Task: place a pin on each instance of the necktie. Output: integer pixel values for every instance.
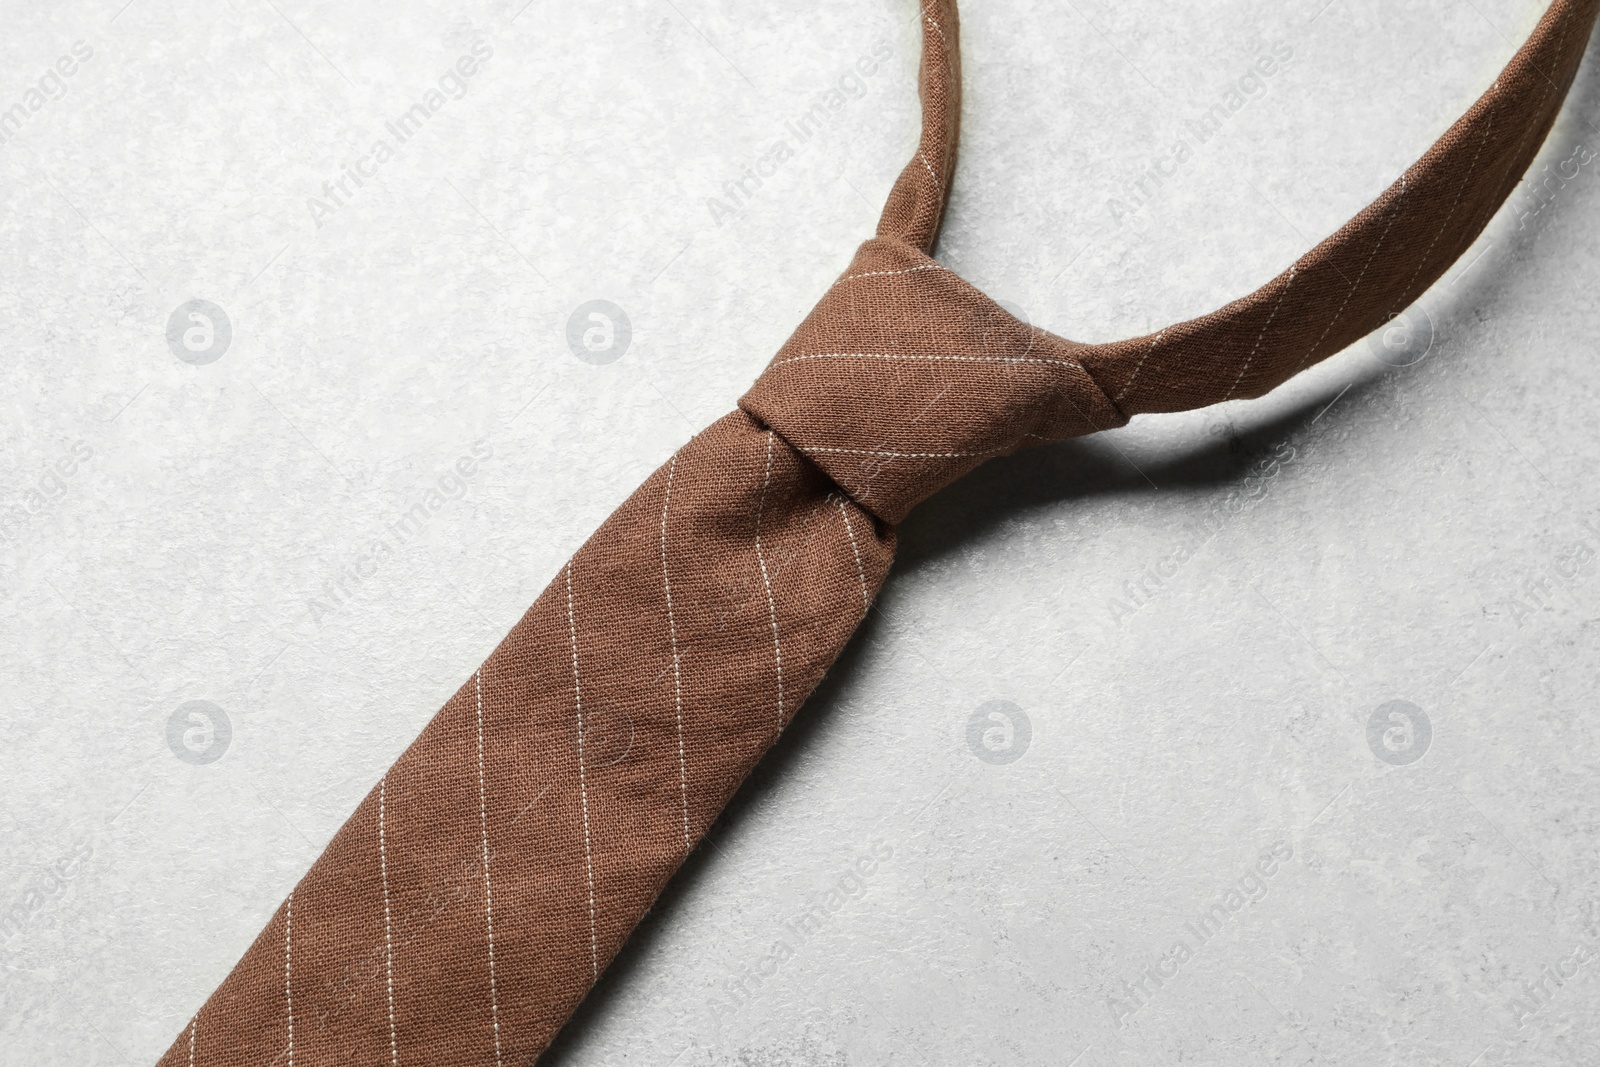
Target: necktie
(476, 894)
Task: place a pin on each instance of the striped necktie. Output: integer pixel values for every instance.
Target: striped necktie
(467, 906)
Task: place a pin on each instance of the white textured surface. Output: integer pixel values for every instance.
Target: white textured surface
(1425, 534)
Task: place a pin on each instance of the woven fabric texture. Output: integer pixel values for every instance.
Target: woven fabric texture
(479, 890)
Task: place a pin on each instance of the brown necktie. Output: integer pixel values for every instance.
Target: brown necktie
(476, 894)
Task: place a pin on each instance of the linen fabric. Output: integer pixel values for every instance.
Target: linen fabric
(488, 878)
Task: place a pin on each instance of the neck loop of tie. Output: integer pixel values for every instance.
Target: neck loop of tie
(904, 377)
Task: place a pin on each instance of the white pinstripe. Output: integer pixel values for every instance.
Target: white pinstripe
(288, 946)
(1140, 366)
(772, 605)
(931, 359)
(886, 273)
(866, 601)
(1393, 218)
(1487, 129)
(583, 780)
(388, 936)
(902, 455)
(488, 890)
(1261, 336)
(677, 673)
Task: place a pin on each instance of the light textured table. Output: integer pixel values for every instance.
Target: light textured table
(319, 506)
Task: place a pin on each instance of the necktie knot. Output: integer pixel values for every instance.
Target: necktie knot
(904, 377)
